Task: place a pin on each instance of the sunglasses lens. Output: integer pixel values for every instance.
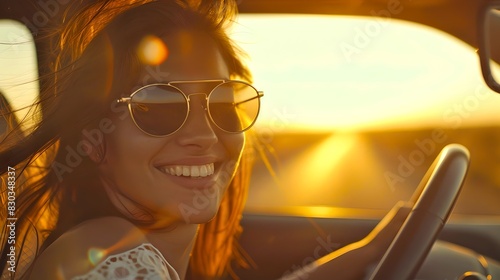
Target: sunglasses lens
(234, 106)
(159, 109)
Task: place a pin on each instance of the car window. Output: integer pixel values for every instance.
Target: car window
(356, 109)
(18, 68)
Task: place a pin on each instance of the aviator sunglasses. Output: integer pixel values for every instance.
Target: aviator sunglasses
(162, 109)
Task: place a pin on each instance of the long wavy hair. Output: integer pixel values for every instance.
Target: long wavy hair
(92, 60)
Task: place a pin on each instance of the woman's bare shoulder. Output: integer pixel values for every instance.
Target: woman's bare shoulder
(81, 248)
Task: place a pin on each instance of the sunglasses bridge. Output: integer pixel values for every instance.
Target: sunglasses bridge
(204, 104)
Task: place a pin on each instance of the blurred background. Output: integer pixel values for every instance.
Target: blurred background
(356, 109)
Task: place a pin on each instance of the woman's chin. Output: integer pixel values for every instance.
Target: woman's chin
(194, 215)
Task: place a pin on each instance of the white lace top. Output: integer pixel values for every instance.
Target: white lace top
(143, 262)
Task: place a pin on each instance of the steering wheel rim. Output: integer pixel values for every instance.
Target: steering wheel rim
(434, 199)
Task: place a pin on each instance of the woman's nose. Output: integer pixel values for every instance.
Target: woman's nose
(198, 130)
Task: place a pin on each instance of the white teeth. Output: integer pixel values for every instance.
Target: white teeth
(190, 171)
(195, 171)
(203, 171)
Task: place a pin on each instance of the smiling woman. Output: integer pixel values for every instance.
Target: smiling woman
(137, 167)
(140, 165)
(101, 116)
(362, 73)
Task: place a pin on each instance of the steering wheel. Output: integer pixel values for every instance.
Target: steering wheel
(434, 200)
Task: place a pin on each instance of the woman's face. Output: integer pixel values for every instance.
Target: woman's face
(181, 177)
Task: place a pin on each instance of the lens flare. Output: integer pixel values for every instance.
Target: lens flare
(95, 255)
(152, 51)
(60, 273)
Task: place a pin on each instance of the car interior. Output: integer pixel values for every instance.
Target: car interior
(421, 125)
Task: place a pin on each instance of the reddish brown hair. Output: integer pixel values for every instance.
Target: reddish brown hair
(85, 67)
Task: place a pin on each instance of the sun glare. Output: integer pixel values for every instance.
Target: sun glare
(340, 72)
(341, 169)
(320, 161)
(324, 73)
(18, 69)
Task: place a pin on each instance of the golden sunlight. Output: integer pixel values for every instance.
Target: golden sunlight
(341, 169)
(358, 73)
(314, 166)
(18, 69)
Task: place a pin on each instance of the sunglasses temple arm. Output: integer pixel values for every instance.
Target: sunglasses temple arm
(260, 94)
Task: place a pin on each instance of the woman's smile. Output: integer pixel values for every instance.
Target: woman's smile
(193, 171)
(192, 177)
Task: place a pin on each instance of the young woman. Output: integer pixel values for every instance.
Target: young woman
(138, 167)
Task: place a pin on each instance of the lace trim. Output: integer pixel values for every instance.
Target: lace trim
(143, 262)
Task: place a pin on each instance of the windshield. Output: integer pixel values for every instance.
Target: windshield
(357, 108)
